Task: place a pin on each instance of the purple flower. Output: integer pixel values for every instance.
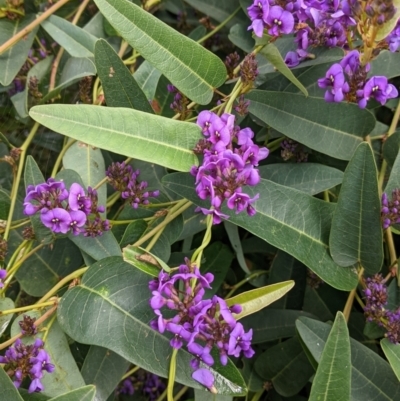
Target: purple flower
(378, 88)
(206, 378)
(292, 59)
(77, 199)
(202, 354)
(280, 21)
(3, 275)
(334, 79)
(58, 220)
(180, 334)
(78, 219)
(258, 13)
(240, 341)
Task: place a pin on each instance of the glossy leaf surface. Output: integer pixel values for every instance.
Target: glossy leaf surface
(130, 132)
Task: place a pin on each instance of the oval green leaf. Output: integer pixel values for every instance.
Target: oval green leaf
(116, 315)
(5, 304)
(335, 129)
(7, 389)
(333, 378)
(288, 219)
(254, 300)
(356, 232)
(392, 353)
(86, 393)
(128, 132)
(194, 70)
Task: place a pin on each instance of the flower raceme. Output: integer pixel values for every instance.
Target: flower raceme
(62, 211)
(198, 323)
(332, 24)
(229, 163)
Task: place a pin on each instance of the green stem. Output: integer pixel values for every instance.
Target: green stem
(60, 284)
(235, 93)
(14, 190)
(218, 27)
(257, 395)
(60, 156)
(175, 211)
(153, 241)
(244, 281)
(196, 257)
(130, 372)
(274, 143)
(171, 375)
(25, 308)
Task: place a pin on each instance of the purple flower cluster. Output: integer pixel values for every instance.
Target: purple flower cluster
(123, 179)
(348, 79)
(390, 211)
(3, 275)
(376, 298)
(226, 169)
(31, 361)
(62, 211)
(180, 101)
(331, 23)
(199, 323)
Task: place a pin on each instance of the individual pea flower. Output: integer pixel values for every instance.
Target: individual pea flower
(377, 88)
(206, 378)
(335, 83)
(3, 275)
(123, 179)
(258, 13)
(279, 21)
(27, 361)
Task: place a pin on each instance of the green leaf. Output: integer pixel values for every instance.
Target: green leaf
(254, 300)
(76, 41)
(133, 232)
(189, 66)
(144, 260)
(5, 203)
(99, 247)
(147, 77)
(241, 37)
(104, 369)
(387, 64)
(311, 178)
(219, 10)
(272, 324)
(356, 232)
(7, 389)
(88, 162)
(313, 303)
(284, 217)
(334, 129)
(371, 376)
(394, 178)
(86, 393)
(333, 377)
(125, 131)
(272, 54)
(119, 293)
(120, 87)
(392, 353)
(74, 69)
(286, 366)
(5, 304)
(233, 234)
(202, 395)
(391, 148)
(253, 380)
(32, 396)
(13, 59)
(388, 26)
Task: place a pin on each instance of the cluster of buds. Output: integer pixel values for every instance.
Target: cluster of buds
(27, 361)
(180, 103)
(226, 168)
(142, 382)
(199, 323)
(293, 150)
(62, 211)
(390, 211)
(123, 179)
(376, 298)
